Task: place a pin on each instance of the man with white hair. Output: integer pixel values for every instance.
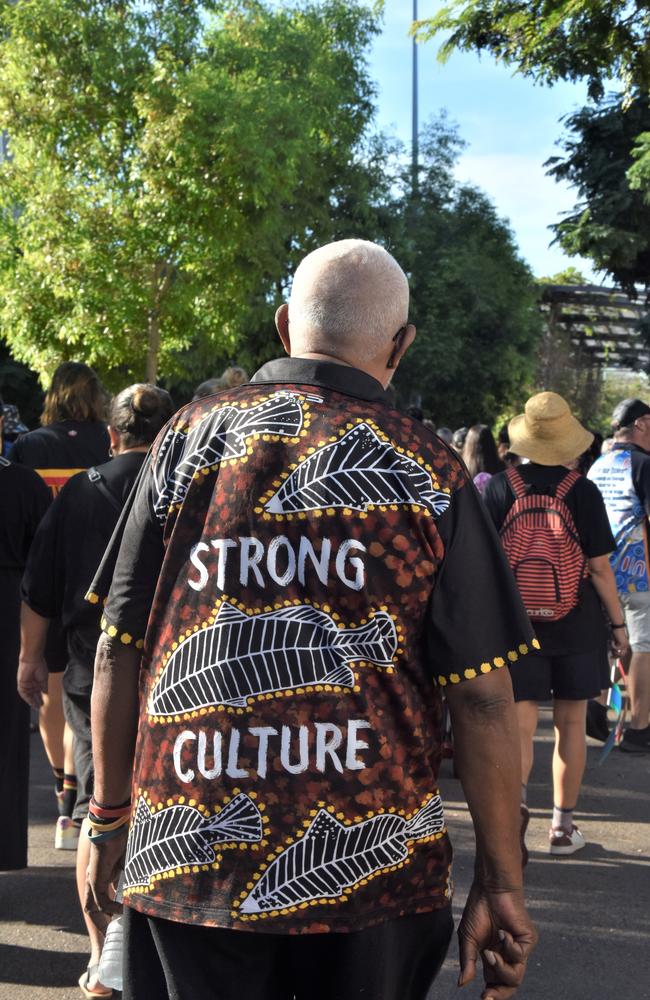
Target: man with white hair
(303, 571)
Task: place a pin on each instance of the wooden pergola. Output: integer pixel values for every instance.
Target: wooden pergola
(602, 322)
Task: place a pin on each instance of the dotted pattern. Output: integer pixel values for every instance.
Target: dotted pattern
(306, 689)
(125, 637)
(346, 511)
(485, 668)
(348, 890)
(180, 800)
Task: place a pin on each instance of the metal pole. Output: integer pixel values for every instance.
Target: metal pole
(414, 136)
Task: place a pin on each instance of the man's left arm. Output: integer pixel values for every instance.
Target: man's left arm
(495, 926)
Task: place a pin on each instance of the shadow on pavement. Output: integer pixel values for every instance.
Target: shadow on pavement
(45, 896)
(36, 967)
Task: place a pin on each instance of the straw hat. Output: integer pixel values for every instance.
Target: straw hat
(547, 432)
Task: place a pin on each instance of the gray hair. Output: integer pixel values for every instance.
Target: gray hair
(350, 294)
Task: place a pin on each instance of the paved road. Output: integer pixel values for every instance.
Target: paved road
(591, 909)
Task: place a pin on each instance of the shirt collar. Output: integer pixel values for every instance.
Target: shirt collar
(325, 375)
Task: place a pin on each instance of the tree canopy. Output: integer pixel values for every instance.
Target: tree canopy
(163, 156)
(550, 40)
(474, 301)
(611, 220)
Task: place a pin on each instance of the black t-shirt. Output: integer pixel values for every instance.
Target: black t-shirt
(71, 540)
(24, 498)
(583, 628)
(60, 450)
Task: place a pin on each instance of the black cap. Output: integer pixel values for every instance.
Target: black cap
(627, 411)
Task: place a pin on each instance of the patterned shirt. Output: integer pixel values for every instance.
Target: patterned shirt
(306, 569)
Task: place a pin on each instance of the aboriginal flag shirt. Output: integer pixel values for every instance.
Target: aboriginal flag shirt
(306, 570)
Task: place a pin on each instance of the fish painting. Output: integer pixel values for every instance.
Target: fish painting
(359, 470)
(242, 656)
(331, 856)
(179, 835)
(222, 434)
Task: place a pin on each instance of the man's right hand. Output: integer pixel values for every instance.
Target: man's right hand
(496, 928)
(33, 678)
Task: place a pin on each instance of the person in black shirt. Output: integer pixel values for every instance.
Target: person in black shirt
(24, 498)
(569, 666)
(72, 437)
(67, 550)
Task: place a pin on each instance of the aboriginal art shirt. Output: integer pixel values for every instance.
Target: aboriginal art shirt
(306, 570)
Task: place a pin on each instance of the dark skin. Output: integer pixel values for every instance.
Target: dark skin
(495, 928)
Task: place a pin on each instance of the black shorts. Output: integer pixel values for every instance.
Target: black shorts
(77, 690)
(397, 960)
(572, 678)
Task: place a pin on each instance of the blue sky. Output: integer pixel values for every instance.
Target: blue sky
(510, 125)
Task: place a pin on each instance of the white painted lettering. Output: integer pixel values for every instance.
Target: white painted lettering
(303, 746)
(357, 581)
(328, 739)
(319, 562)
(282, 579)
(215, 771)
(251, 554)
(182, 738)
(355, 744)
(262, 733)
(222, 545)
(196, 562)
(233, 771)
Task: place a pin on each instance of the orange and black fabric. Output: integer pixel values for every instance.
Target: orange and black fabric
(308, 569)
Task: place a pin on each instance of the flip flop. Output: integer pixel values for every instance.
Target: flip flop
(93, 994)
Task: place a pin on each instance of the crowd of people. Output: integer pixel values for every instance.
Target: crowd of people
(237, 623)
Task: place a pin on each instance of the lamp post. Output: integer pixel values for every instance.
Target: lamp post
(414, 134)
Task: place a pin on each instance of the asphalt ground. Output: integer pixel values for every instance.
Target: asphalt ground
(591, 909)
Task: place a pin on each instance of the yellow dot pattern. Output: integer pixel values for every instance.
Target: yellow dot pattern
(330, 511)
(511, 656)
(125, 637)
(348, 890)
(173, 872)
(322, 688)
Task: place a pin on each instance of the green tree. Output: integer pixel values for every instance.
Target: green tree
(165, 157)
(611, 221)
(551, 40)
(474, 300)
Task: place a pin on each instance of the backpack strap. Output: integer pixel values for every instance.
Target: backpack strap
(96, 479)
(567, 484)
(517, 484)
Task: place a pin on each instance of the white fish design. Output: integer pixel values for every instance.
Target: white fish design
(332, 856)
(357, 471)
(242, 656)
(222, 434)
(180, 835)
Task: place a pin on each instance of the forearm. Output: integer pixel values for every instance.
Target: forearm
(488, 762)
(114, 719)
(602, 577)
(33, 633)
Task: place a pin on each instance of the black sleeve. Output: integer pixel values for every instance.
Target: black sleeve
(498, 498)
(641, 478)
(128, 574)
(43, 583)
(477, 621)
(36, 505)
(592, 521)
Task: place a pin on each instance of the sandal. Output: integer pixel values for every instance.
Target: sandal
(94, 992)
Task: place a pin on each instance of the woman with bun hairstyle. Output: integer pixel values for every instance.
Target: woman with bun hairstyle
(65, 554)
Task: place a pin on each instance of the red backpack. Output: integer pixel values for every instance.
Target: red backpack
(543, 548)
